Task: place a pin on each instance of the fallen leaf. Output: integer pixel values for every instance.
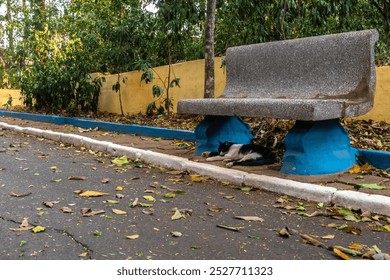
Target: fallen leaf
(284, 232)
(23, 226)
(92, 194)
(176, 234)
(215, 209)
(355, 246)
(38, 229)
(149, 211)
(54, 168)
(177, 215)
(85, 254)
(105, 180)
(198, 178)
(77, 178)
(50, 204)
(370, 186)
(310, 240)
(170, 195)
(119, 212)
(121, 160)
(134, 203)
(119, 188)
(233, 228)
(329, 236)
(348, 251)
(352, 230)
(120, 196)
(19, 194)
(66, 210)
(341, 254)
(56, 180)
(132, 237)
(149, 198)
(250, 218)
(111, 201)
(87, 212)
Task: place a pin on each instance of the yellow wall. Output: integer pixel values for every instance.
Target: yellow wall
(136, 95)
(15, 94)
(381, 109)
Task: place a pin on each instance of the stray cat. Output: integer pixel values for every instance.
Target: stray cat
(241, 154)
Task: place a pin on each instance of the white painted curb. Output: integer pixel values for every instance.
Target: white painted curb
(351, 199)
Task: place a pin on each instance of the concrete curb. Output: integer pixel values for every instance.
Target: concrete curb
(329, 195)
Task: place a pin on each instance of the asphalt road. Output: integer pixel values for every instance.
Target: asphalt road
(145, 212)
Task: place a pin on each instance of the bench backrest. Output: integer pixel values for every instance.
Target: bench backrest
(337, 66)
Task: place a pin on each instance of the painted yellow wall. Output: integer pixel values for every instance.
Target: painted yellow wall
(136, 95)
(381, 109)
(14, 93)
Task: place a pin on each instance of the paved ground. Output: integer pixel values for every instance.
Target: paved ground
(341, 181)
(154, 213)
(32, 175)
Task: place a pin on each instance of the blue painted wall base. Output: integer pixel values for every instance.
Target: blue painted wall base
(215, 129)
(317, 148)
(378, 159)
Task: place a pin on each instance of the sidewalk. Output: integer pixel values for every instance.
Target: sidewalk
(339, 189)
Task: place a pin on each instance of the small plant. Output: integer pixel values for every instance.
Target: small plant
(164, 102)
(8, 104)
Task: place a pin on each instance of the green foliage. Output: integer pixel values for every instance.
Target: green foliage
(162, 102)
(49, 48)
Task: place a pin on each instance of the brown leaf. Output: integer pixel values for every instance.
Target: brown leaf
(284, 232)
(23, 226)
(312, 241)
(50, 204)
(250, 218)
(87, 212)
(105, 180)
(215, 209)
(66, 209)
(19, 194)
(77, 178)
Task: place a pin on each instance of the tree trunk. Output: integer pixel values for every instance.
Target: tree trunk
(209, 50)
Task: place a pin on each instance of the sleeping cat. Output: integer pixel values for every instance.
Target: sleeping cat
(241, 154)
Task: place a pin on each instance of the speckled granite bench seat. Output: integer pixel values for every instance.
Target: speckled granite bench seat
(314, 78)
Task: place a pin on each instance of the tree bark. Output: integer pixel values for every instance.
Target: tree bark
(209, 83)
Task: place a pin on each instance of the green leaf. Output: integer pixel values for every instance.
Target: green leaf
(121, 160)
(157, 91)
(38, 229)
(371, 186)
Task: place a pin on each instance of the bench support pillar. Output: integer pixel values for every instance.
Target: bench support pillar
(215, 129)
(318, 147)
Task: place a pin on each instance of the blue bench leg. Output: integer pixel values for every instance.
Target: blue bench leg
(215, 129)
(316, 148)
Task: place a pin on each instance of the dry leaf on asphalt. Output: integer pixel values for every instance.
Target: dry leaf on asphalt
(66, 209)
(341, 254)
(92, 194)
(23, 226)
(38, 229)
(50, 204)
(233, 228)
(310, 240)
(132, 237)
(87, 212)
(250, 218)
(119, 212)
(19, 194)
(77, 178)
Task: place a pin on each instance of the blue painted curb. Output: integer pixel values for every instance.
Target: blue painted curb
(149, 131)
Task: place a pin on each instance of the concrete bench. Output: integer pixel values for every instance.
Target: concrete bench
(314, 80)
